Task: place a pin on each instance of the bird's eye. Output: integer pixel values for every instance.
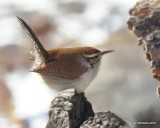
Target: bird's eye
(50, 60)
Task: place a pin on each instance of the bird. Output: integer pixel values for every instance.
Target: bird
(65, 68)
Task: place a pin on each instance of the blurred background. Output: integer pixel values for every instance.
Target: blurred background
(124, 84)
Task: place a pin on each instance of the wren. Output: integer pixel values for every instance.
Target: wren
(64, 68)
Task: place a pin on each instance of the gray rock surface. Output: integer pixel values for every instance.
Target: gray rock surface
(144, 21)
(72, 110)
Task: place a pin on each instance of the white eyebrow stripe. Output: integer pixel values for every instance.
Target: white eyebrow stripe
(92, 55)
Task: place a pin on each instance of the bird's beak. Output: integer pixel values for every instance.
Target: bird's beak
(106, 52)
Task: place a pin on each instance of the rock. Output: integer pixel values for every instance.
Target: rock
(72, 110)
